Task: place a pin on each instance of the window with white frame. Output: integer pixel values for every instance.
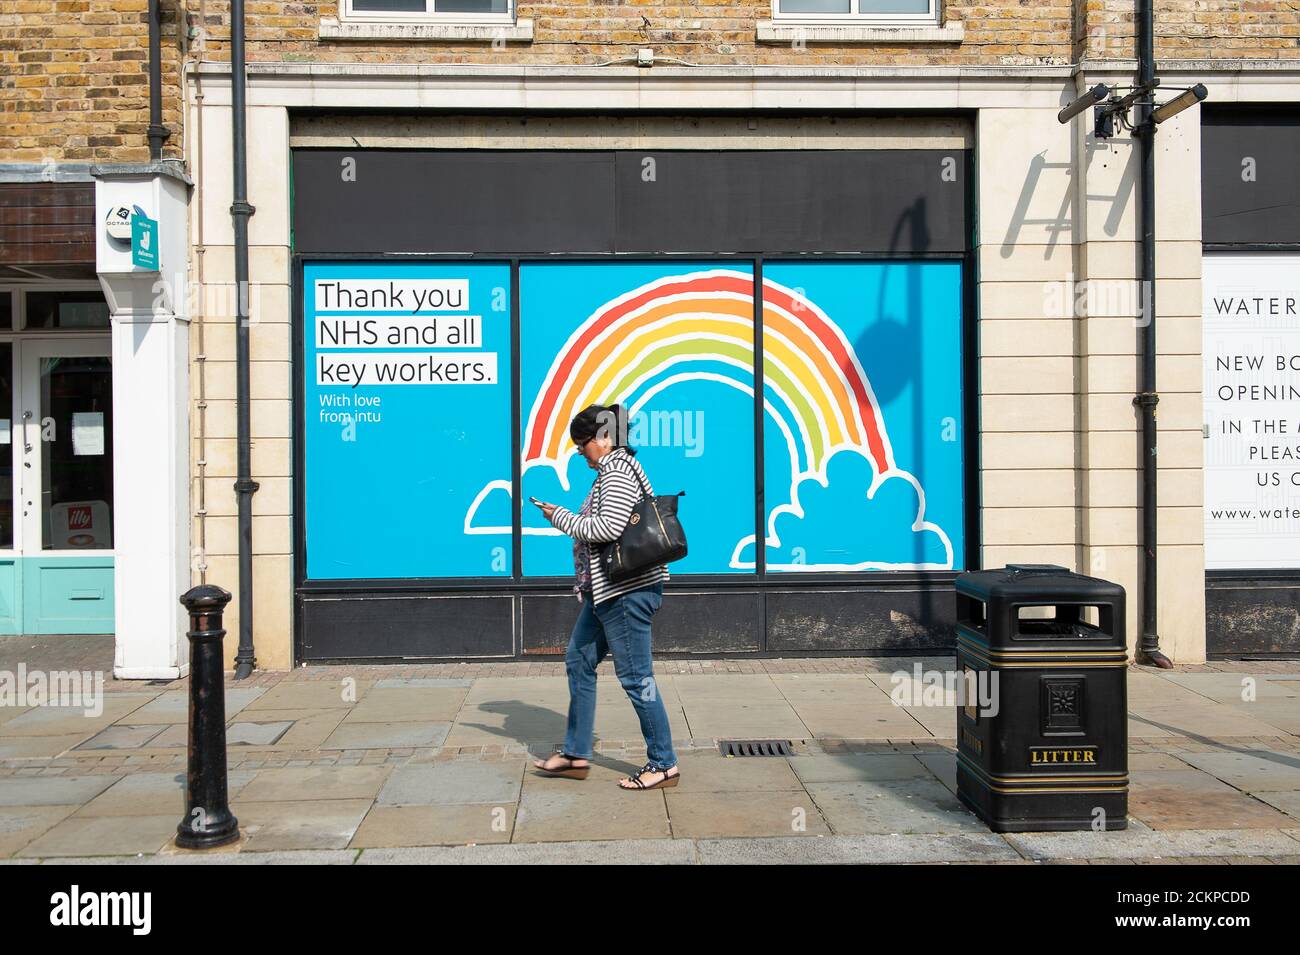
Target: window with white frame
(456, 11)
(900, 12)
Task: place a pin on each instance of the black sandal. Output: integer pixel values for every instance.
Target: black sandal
(670, 779)
(567, 772)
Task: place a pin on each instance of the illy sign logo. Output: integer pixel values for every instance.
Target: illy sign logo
(80, 518)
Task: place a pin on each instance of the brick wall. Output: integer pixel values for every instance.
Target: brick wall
(74, 84)
(73, 73)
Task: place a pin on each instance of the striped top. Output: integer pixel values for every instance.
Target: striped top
(620, 483)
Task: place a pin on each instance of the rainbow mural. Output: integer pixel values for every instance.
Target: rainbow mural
(686, 327)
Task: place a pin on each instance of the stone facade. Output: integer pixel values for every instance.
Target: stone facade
(1062, 458)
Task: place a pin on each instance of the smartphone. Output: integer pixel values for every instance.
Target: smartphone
(535, 501)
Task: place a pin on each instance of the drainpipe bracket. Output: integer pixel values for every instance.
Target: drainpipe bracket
(1147, 399)
(246, 487)
(241, 207)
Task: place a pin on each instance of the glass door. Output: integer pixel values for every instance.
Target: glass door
(63, 511)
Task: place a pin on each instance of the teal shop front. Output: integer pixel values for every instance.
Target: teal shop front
(56, 481)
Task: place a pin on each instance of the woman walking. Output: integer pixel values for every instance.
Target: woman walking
(614, 618)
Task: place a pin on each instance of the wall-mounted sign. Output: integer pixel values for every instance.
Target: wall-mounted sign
(144, 242)
(117, 224)
(1251, 353)
(80, 525)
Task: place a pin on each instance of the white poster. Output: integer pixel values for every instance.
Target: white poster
(1251, 341)
(87, 432)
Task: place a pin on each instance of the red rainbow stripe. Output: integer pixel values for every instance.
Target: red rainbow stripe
(713, 283)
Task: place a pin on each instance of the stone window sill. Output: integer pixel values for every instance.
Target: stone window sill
(520, 31)
(770, 31)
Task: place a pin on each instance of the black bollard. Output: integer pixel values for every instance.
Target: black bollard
(208, 822)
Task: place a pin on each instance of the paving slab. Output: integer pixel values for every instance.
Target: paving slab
(695, 815)
(1140, 842)
(499, 723)
(392, 826)
(310, 824)
(839, 721)
(153, 794)
(1280, 712)
(1200, 720)
(67, 720)
(738, 720)
(243, 733)
(1150, 762)
(902, 805)
(1232, 687)
(424, 683)
(1157, 690)
(1251, 771)
(616, 852)
(521, 690)
(19, 825)
(742, 688)
(857, 767)
(585, 812)
(341, 693)
(710, 771)
(310, 727)
(289, 783)
(34, 747)
(407, 704)
(849, 850)
(938, 721)
(386, 735)
(453, 782)
(291, 857)
(943, 766)
(97, 835)
(1191, 799)
(173, 706)
(52, 790)
(120, 736)
(8, 713)
(1287, 801)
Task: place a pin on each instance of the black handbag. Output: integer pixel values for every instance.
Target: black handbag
(653, 536)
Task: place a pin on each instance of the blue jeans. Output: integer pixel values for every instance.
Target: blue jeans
(620, 627)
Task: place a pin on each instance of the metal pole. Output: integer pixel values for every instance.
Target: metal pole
(1148, 397)
(240, 210)
(208, 822)
(157, 133)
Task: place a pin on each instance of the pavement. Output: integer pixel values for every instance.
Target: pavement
(430, 764)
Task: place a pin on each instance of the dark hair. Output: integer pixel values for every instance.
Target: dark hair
(595, 420)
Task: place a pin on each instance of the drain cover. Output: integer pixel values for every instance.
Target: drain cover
(755, 747)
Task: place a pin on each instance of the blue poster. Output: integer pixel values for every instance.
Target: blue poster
(406, 408)
(863, 433)
(674, 344)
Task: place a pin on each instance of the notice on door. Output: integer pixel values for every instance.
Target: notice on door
(87, 433)
(1251, 352)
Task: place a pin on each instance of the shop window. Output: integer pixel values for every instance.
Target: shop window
(862, 442)
(6, 310)
(406, 418)
(674, 344)
(905, 12)
(410, 431)
(463, 11)
(66, 310)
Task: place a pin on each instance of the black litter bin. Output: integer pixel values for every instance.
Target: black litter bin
(1048, 750)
